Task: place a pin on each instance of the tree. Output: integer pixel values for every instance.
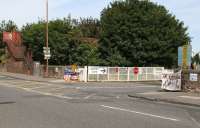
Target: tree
(65, 46)
(196, 59)
(34, 37)
(142, 33)
(86, 54)
(89, 27)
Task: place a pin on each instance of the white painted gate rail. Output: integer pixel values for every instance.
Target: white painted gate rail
(99, 73)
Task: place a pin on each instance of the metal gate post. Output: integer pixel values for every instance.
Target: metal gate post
(118, 73)
(108, 73)
(128, 78)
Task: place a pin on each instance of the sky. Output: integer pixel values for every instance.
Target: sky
(28, 11)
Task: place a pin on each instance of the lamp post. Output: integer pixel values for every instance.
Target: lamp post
(47, 35)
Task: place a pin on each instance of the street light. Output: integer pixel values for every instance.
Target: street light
(47, 35)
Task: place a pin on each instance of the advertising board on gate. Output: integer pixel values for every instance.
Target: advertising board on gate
(102, 70)
(171, 82)
(97, 70)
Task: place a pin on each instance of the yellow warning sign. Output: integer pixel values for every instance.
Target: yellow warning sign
(74, 67)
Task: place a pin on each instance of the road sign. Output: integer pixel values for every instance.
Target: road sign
(102, 70)
(136, 70)
(46, 50)
(47, 53)
(74, 67)
(193, 77)
(47, 57)
(184, 56)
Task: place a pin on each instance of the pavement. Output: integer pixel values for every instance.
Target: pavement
(182, 98)
(44, 104)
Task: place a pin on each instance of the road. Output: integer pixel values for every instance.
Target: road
(28, 104)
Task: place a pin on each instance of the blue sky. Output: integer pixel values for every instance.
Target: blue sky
(23, 11)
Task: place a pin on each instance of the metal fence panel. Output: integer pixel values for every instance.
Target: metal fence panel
(124, 73)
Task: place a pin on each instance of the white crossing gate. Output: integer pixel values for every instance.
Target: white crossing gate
(101, 73)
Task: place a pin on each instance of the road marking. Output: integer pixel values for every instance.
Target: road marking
(57, 88)
(39, 92)
(87, 97)
(197, 123)
(18, 83)
(141, 113)
(125, 87)
(48, 94)
(7, 85)
(152, 93)
(191, 97)
(57, 81)
(42, 86)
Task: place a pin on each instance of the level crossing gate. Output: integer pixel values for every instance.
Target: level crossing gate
(100, 73)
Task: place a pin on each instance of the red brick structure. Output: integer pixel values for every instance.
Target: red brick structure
(19, 57)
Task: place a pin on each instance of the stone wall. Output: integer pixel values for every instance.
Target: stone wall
(188, 85)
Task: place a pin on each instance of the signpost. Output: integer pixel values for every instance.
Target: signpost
(47, 54)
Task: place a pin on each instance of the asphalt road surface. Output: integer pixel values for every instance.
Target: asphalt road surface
(28, 104)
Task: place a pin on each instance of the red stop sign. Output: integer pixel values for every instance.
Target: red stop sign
(136, 70)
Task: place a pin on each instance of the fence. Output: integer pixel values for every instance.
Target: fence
(3, 68)
(98, 73)
(53, 71)
(57, 71)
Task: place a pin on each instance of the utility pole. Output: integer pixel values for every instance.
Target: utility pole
(47, 36)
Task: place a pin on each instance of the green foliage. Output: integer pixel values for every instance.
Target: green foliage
(196, 59)
(65, 48)
(140, 33)
(89, 27)
(85, 54)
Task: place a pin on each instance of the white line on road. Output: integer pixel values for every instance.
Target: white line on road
(191, 97)
(193, 119)
(58, 88)
(43, 86)
(48, 94)
(197, 123)
(125, 87)
(87, 97)
(141, 113)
